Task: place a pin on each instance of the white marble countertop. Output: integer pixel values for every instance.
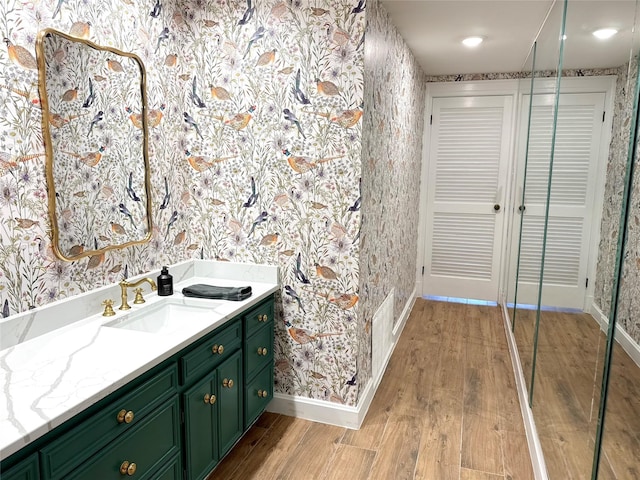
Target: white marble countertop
(50, 375)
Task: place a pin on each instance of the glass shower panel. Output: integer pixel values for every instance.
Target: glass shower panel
(570, 346)
(618, 455)
(537, 107)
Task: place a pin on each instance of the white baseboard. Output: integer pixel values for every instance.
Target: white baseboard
(335, 413)
(535, 448)
(625, 340)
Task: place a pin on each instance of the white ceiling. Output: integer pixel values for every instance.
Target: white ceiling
(433, 29)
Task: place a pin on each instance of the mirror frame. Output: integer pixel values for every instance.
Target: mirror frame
(49, 164)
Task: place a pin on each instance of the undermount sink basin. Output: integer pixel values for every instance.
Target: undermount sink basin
(166, 318)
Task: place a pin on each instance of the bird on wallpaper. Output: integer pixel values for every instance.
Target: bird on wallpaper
(298, 94)
(297, 271)
(167, 195)
(96, 119)
(200, 164)
(240, 120)
(136, 118)
(117, 229)
(326, 88)
(257, 35)
(125, 211)
(345, 300)
(154, 117)
(70, 95)
(352, 382)
(293, 294)
(251, 201)
(190, 121)
(279, 10)
(266, 58)
(260, 219)
(76, 250)
(130, 191)
(57, 9)
(291, 117)
(303, 336)
(164, 34)
(114, 66)
(155, 11)
(318, 12)
(356, 205)
(171, 60)
(334, 228)
(325, 272)
(337, 35)
(91, 97)
(179, 238)
(193, 95)
(172, 220)
(95, 260)
(21, 56)
(90, 159)
(298, 164)
(32, 95)
(26, 222)
(80, 29)
(58, 121)
(360, 7)
(269, 239)
(248, 13)
(347, 118)
(232, 224)
(220, 93)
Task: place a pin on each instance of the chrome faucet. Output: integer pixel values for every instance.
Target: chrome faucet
(123, 289)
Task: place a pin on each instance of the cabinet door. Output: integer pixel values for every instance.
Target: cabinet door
(230, 384)
(200, 426)
(25, 470)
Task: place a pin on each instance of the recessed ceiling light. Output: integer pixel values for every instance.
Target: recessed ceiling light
(605, 33)
(472, 41)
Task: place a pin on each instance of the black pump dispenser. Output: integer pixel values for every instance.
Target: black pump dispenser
(165, 283)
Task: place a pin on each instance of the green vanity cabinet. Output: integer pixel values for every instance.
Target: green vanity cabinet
(27, 469)
(258, 360)
(174, 422)
(213, 417)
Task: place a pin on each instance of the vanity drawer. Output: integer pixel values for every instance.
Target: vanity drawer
(209, 354)
(149, 445)
(258, 350)
(258, 316)
(74, 446)
(257, 395)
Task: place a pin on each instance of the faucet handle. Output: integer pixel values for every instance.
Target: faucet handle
(139, 298)
(108, 308)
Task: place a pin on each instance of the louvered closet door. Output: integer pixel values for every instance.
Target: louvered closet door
(578, 133)
(468, 158)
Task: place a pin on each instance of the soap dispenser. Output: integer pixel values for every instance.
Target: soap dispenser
(165, 283)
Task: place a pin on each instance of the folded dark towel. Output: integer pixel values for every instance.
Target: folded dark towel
(201, 290)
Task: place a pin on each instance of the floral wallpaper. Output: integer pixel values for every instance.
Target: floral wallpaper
(629, 300)
(392, 159)
(614, 186)
(256, 155)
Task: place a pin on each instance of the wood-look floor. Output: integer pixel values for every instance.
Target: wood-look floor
(566, 396)
(447, 408)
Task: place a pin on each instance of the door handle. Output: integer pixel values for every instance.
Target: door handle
(522, 208)
(496, 207)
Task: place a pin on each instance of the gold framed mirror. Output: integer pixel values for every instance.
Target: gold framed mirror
(95, 127)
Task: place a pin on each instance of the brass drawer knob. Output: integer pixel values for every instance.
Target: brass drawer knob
(210, 399)
(262, 351)
(128, 468)
(263, 318)
(262, 393)
(227, 383)
(125, 416)
(219, 349)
